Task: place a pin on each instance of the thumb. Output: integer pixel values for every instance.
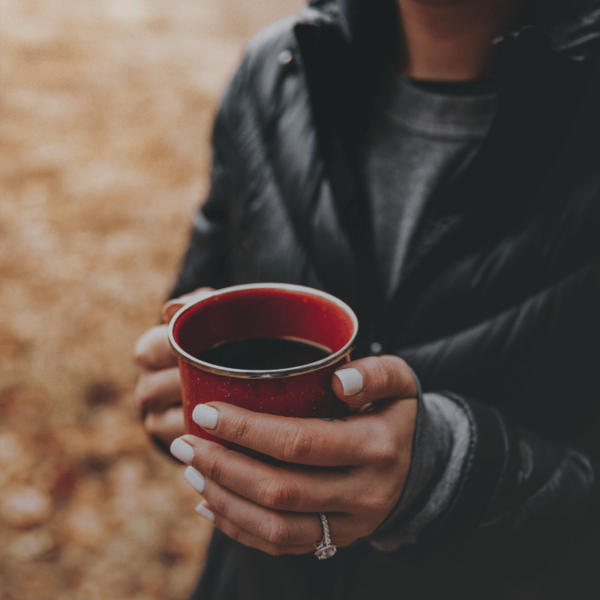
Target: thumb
(172, 306)
(375, 378)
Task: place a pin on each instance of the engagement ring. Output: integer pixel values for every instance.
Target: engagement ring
(325, 549)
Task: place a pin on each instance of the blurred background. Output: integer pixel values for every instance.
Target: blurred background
(105, 115)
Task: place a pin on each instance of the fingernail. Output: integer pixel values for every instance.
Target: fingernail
(351, 380)
(195, 479)
(205, 416)
(204, 512)
(184, 452)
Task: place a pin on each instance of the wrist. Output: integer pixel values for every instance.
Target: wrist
(440, 448)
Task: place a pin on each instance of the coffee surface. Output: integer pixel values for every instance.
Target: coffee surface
(263, 354)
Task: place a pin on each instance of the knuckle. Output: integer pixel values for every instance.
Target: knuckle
(383, 439)
(384, 374)
(385, 453)
(280, 495)
(299, 445)
(363, 506)
(217, 502)
(213, 469)
(383, 450)
(374, 504)
(242, 429)
(379, 502)
(278, 532)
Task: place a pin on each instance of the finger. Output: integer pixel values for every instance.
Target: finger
(247, 539)
(236, 533)
(166, 426)
(153, 351)
(374, 378)
(277, 527)
(340, 442)
(158, 390)
(278, 488)
(172, 306)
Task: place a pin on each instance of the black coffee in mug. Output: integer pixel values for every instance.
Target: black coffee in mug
(264, 354)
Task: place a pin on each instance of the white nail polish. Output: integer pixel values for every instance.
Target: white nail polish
(206, 416)
(204, 512)
(351, 380)
(195, 479)
(183, 451)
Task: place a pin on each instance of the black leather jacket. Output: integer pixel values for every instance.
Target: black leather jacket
(502, 315)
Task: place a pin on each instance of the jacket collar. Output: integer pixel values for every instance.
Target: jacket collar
(572, 25)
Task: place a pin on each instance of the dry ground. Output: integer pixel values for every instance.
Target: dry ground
(106, 108)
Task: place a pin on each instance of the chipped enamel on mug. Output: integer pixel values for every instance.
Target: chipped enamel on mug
(267, 310)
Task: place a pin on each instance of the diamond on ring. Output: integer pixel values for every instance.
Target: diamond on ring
(325, 549)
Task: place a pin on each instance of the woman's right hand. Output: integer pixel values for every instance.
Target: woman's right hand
(158, 393)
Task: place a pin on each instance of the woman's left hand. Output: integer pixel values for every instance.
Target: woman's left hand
(351, 469)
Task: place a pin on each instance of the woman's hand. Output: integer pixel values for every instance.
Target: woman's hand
(158, 392)
(352, 469)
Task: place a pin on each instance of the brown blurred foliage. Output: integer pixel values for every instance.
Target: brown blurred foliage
(105, 114)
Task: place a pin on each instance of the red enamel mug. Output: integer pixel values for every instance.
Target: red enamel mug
(259, 311)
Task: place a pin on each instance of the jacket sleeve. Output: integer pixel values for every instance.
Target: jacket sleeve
(489, 494)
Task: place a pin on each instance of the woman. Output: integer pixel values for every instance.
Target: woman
(435, 165)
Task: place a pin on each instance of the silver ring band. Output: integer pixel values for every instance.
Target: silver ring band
(325, 549)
